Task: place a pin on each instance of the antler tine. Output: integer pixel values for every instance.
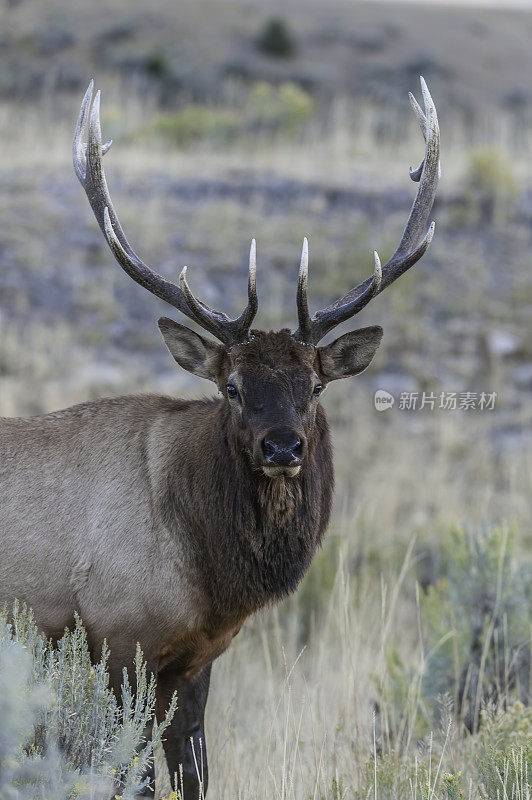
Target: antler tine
(88, 167)
(303, 315)
(78, 147)
(415, 174)
(412, 245)
(428, 183)
(229, 331)
(250, 311)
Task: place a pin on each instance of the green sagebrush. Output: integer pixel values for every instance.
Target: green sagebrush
(505, 752)
(478, 624)
(62, 732)
(475, 620)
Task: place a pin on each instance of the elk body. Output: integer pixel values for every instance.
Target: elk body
(168, 522)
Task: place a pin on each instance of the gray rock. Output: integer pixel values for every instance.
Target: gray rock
(522, 376)
(503, 343)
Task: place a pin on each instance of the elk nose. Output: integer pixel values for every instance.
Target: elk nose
(282, 447)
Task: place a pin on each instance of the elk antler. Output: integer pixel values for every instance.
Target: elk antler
(411, 247)
(89, 169)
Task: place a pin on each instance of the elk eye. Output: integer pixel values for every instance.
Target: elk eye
(232, 391)
(317, 390)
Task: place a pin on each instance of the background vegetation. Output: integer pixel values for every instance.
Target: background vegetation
(402, 667)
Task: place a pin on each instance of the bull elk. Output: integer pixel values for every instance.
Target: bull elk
(168, 522)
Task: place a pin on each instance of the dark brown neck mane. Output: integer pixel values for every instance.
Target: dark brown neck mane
(252, 537)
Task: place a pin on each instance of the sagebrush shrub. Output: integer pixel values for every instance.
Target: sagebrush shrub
(284, 109)
(477, 620)
(63, 733)
(505, 752)
(492, 186)
(276, 38)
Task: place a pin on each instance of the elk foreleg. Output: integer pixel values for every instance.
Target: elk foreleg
(184, 740)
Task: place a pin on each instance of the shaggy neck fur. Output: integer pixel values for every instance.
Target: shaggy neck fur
(252, 537)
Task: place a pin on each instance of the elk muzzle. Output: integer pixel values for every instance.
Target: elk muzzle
(283, 450)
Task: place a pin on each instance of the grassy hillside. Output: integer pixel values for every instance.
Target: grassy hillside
(476, 60)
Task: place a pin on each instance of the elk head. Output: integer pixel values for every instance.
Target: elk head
(270, 381)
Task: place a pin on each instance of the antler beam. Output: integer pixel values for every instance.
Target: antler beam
(412, 246)
(89, 169)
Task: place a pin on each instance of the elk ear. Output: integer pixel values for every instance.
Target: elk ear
(200, 356)
(349, 354)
